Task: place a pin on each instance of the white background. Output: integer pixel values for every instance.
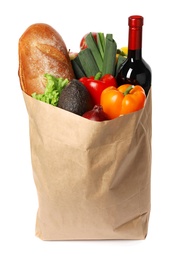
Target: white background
(18, 198)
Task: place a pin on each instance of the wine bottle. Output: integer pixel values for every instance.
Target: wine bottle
(134, 70)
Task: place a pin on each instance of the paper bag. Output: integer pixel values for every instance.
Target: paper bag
(92, 178)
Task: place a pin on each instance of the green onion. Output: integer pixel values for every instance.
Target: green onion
(77, 68)
(101, 43)
(95, 51)
(109, 56)
(120, 61)
(88, 62)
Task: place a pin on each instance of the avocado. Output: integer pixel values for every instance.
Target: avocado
(75, 98)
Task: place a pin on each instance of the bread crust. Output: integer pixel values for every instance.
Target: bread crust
(42, 50)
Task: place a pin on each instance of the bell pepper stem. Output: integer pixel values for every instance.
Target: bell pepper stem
(98, 75)
(128, 90)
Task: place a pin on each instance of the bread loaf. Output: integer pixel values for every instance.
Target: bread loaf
(42, 50)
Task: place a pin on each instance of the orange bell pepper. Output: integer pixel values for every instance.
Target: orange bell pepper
(123, 100)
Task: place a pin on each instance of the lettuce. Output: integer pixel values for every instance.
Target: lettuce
(53, 90)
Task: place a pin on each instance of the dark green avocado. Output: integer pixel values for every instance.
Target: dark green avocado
(75, 98)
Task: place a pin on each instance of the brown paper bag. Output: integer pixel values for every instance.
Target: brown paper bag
(92, 178)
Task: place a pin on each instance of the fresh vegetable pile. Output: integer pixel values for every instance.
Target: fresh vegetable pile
(94, 94)
(97, 53)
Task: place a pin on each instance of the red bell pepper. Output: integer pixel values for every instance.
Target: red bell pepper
(97, 84)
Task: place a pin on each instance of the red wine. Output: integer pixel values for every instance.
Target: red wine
(134, 69)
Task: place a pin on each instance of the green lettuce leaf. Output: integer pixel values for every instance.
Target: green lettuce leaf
(53, 90)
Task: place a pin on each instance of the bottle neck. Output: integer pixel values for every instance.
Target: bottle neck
(135, 54)
(135, 42)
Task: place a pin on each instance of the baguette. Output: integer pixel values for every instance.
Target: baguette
(42, 50)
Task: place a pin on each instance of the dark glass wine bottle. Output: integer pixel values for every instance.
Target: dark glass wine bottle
(135, 70)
